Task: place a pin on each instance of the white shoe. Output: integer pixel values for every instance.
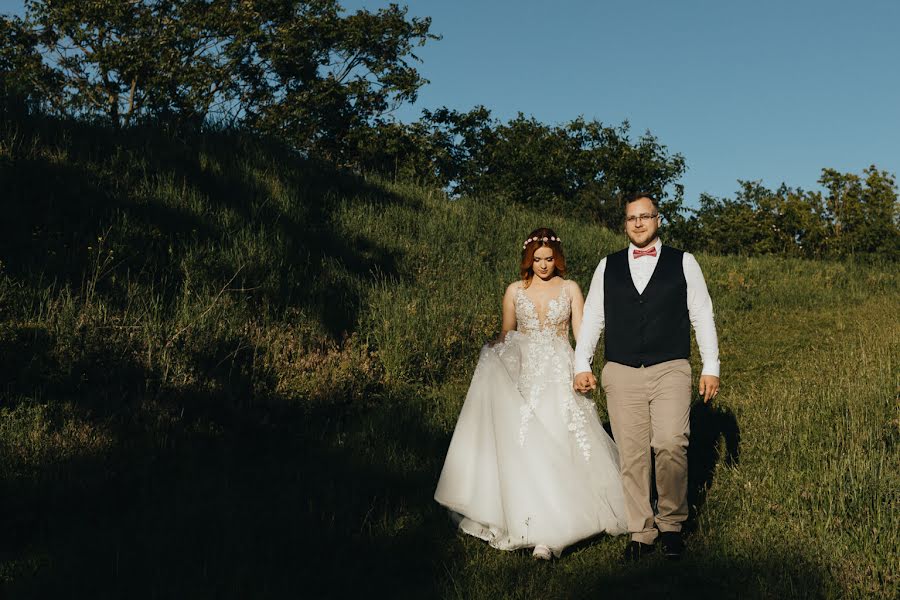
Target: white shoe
(542, 552)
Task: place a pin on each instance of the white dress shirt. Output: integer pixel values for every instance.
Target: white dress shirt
(699, 308)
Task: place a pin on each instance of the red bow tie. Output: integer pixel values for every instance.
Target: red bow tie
(639, 253)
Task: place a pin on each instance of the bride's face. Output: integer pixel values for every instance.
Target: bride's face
(543, 265)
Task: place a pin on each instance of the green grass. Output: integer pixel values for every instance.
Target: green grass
(227, 372)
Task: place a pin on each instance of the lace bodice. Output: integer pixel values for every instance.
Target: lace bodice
(547, 361)
(555, 322)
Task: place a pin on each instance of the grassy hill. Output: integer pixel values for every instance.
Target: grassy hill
(229, 372)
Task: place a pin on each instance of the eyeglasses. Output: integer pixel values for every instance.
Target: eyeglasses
(633, 219)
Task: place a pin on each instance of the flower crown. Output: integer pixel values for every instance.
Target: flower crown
(541, 239)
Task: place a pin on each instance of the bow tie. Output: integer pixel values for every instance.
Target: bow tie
(639, 253)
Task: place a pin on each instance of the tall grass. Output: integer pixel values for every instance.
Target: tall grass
(229, 372)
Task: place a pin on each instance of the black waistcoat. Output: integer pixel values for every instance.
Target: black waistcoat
(649, 328)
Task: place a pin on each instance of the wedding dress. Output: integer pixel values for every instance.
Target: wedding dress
(529, 462)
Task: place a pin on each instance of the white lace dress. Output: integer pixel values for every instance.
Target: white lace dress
(529, 462)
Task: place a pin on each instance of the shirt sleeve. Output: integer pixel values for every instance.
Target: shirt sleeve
(700, 310)
(592, 323)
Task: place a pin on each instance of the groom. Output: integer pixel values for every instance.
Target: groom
(648, 296)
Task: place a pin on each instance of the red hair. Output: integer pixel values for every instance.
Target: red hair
(540, 238)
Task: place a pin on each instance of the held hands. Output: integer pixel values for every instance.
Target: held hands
(708, 387)
(584, 382)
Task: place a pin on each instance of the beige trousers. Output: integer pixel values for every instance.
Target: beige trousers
(650, 407)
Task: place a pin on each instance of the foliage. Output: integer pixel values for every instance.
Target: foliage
(323, 82)
(855, 215)
(862, 212)
(298, 70)
(25, 81)
(582, 167)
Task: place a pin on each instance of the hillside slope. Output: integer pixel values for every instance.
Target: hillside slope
(225, 371)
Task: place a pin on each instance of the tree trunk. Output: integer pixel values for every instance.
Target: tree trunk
(130, 114)
(114, 108)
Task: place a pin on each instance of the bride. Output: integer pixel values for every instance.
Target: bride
(529, 464)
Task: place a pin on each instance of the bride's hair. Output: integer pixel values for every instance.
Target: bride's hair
(538, 239)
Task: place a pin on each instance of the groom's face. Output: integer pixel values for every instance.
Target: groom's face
(641, 222)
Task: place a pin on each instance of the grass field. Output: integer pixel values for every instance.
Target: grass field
(226, 372)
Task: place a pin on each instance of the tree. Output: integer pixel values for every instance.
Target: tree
(787, 221)
(611, 167)
(582, 167)
(298, 70)
(312, 76)
(862, 212)
(25, 81)
(855, 215)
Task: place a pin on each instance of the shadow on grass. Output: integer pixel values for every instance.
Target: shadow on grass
(219, 495)
(759, 573)
(177, 209)
(715, 437)
(201, 496)
(113, 484)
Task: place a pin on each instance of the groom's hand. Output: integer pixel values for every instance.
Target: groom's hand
(584, 382)
(709, 387)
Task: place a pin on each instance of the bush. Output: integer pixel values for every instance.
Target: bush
(856, 215)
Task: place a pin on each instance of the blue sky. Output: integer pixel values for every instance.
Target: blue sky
(762, 90)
